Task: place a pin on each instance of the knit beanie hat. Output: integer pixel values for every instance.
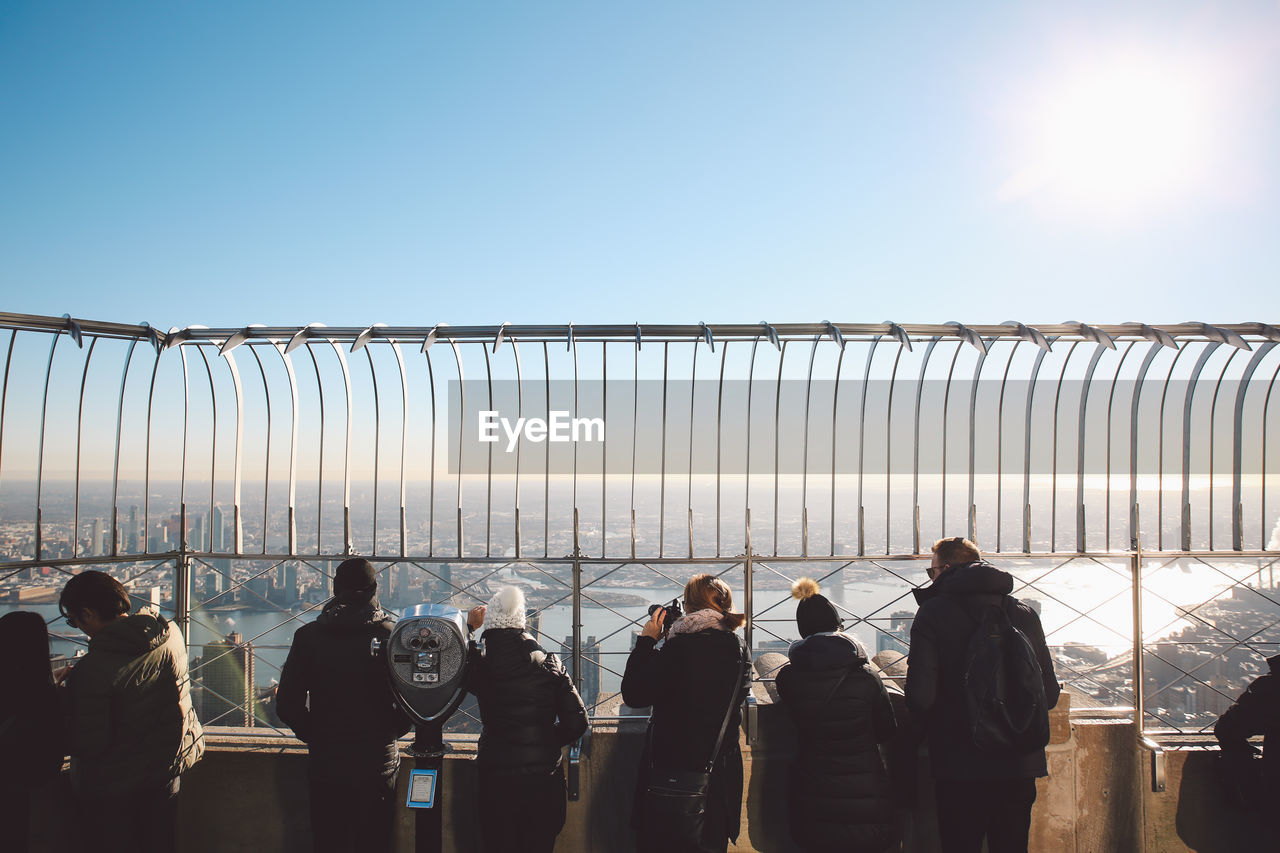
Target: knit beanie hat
(505, 609)
(814, 614)
(354, 574)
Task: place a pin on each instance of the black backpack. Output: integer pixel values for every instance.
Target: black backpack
(1003, 685)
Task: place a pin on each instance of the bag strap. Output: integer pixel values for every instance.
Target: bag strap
(715, 750)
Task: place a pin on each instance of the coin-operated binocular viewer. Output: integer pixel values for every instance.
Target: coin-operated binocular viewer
(426, 657)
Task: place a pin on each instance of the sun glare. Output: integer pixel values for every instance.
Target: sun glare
(1117, 135)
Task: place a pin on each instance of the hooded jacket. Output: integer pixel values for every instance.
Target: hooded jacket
(528, 705)
(131, 722)
(1256, 712)
(690, 682)
(335, 695)
(935, 671)
(839, 793)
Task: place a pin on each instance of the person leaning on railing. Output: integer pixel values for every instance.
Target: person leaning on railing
(132, 728)
(31, 732)
(696, 683)
(529, 710)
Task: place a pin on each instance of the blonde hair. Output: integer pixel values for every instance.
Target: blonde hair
(956, 551)
(708, 591)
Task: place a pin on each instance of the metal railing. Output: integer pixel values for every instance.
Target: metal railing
(263, 455)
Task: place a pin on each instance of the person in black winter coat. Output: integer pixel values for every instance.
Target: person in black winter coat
(702, 670)
(1256, 712)
(839, 793)
(529, 710)
(32, 741)
(979, 793)
(335, 696)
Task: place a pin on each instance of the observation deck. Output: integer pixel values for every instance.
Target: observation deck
(1124, 474)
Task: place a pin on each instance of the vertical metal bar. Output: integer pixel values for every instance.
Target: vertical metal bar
(1160, 438)
(462, 416)
(888, 453)
(488, 489)
(915, 451)
(1053, 501)
(404, 443)
(4, 389)
(835, 406)
(431, 490)
(662, 471)
(44, 410)
(1266, 412)
(1115, 377)
(293, 446)
(115, 459)
(746, 491)
(804, 480)
(213, 444)
(1186, 443)
(182, 595)
(266, 466)
(1152, 352)
(146, 464)
(1237, 449)
(635, 414)
(75, 524)
(320, 472)
(573, 346)
(577, 603)
(377, 445)
(186, 440)
(1139, 669)
(237, 521)
(946, 407)
(604, 450)
(973, 415)
(1026, 451)
(777, 428)
(1213, 422)
(515, 349)
(748, 598)
(346, 453)
(862, 434)
(693, 385)
(546, 458)
(724, 355)
(1000, 449)
(1098, 350)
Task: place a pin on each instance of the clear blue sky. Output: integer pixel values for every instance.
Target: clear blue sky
(417, 162)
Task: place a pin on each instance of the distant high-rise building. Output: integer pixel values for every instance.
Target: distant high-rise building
(95, 538)
(197, 533)
(218, 530)
(288, 577)
(898, 638)
(589, 687)
(225, 674)
(133, 531)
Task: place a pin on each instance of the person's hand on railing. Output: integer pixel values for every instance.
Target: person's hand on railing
(475, 617)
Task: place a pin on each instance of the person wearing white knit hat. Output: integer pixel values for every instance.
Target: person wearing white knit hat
(529, 710)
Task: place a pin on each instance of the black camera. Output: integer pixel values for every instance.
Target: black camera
(673, 613)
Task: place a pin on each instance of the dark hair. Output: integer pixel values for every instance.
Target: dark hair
(24, 655)
(98, 591)
(708, 591)
(956, 551)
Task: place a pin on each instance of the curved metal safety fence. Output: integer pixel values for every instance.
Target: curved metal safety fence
(1122, 473)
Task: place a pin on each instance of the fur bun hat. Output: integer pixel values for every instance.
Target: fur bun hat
(505, 609)
(814, 614)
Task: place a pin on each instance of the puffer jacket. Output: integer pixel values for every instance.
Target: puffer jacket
(529, 708)
(335, 695)
(131, 722)
(839, 794)
(935, 671)
(690, 682)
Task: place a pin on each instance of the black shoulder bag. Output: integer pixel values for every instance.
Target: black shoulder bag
(674, 810)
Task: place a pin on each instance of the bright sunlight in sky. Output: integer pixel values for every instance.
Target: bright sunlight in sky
(1117, 136)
